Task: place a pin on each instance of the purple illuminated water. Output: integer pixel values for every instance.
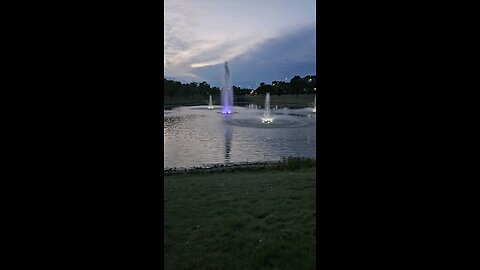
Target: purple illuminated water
(227, 92)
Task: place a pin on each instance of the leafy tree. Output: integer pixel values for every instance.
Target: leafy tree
(204, 88)
(261, 89)
(282, 88)
(296, 84)
(191, 89)
(264, 88)
(215, 91)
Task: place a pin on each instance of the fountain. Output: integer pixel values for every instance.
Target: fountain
(315, 105)
(210, 103)
(227, 93)
(250, 116)
(267, 114)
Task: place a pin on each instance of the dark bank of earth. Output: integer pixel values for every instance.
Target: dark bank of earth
(207, 168)
(287, 163)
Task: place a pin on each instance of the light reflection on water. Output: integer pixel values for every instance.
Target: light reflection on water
(194, 136)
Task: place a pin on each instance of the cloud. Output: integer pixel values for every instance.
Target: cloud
(273, 59)
(199, 36)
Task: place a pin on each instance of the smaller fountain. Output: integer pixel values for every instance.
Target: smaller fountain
(210, 103)
(264, 119)
(267, 114)
(314, 105)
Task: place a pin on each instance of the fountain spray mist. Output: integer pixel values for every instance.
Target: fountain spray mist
(267, 118)
(227, 92)
(210, 103)
(315, 104)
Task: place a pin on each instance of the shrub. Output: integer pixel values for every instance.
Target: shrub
(295, 163)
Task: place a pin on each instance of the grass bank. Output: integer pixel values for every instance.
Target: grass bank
(304, 100)
(168, 102)
(282, 101)
(241, 219)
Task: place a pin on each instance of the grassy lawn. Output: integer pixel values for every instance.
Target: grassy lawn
(281, 101)
(263, 219)
(184, 101)
(285, 100)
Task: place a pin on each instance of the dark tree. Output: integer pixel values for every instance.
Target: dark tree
(204, 88)
(296, 84)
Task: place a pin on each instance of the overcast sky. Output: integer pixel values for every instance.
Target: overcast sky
(262, 40)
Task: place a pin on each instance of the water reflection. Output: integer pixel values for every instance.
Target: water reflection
(228, 138)
(228, 142)
(194, 137)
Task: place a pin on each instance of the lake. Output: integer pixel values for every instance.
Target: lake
(195, 136)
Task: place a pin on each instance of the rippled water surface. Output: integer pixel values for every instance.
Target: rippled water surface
(195, 136)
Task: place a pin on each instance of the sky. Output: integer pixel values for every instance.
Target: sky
(262, 40)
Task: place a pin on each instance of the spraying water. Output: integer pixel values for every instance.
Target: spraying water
(267, 114)
(315, 104)
(227, 92)
(210, 103)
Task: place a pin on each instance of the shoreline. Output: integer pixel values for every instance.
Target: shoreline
(284, 163)
(219, 166)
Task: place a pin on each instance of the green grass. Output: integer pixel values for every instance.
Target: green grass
(294, 163)
(184, 101)
(282, 101)
(285, 100)
(241, 219)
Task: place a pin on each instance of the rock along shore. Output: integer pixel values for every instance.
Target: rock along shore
(219, 167)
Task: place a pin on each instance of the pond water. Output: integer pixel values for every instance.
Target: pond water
(196, 136)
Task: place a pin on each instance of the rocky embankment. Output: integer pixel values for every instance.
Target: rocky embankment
(219, 167)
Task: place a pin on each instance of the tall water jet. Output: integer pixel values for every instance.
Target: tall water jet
(267, 114)
(227, 92)
(210, 103)
(315, 104)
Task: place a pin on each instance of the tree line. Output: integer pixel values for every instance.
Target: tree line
(296, 86)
